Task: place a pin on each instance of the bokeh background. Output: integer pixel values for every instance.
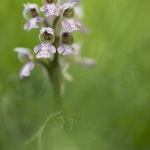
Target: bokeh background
(112, 99)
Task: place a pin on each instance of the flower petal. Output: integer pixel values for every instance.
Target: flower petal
(37, 48)
(43, 54)
(61, 49)
(26, 26)
(44, 8)
(66, 49)
(70, 25)
(39, 19)
(25, 71)
(52, 48)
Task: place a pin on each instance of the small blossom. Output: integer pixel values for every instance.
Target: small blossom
(31, 13)
(44, 50)
(66, 49)
(32, 23)
(52, 9)
(25, 71)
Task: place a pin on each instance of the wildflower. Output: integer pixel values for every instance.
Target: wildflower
(51, 7)
(69, 23)
(25, 55)
(31, 13)
(66, 47)
(47, 37)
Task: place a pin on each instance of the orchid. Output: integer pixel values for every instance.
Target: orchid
(31, 13)
(56, 51)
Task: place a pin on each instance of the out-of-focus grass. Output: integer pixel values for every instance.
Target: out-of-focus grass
(112, 98)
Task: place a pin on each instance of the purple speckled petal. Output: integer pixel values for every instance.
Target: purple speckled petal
(37, 48)
(39, 19)
(26, 26)
(44, 8)
(52, 48)
(64, 23)
(61, 49)
(43, 54)
(66, 49)
(58, 6)
(70, 25)
(25, 71)
(51, 13)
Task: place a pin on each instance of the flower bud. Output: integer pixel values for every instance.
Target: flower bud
(30, 11)
(47, 35)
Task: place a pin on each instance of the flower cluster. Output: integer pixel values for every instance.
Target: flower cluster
(56, 37)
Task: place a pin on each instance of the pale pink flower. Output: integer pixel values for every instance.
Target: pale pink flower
(44, 50)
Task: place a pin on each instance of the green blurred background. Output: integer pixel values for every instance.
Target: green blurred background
(112, 99)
